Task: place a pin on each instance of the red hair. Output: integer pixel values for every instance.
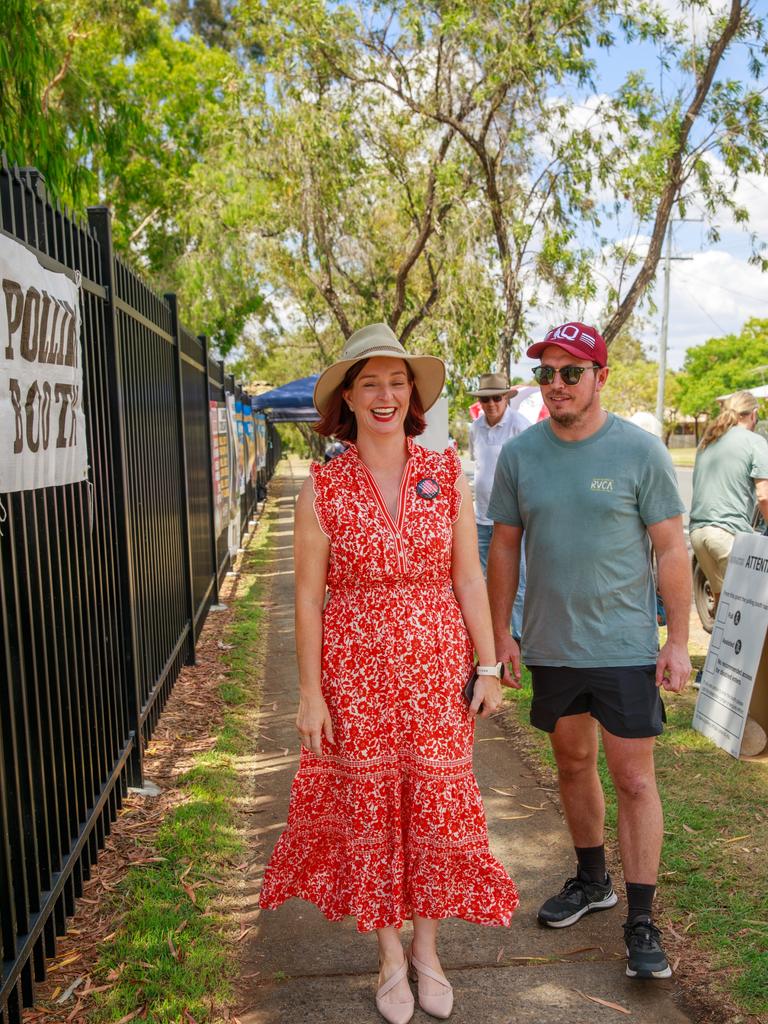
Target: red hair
(339, 421)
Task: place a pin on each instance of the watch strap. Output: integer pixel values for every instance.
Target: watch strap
(497, 670)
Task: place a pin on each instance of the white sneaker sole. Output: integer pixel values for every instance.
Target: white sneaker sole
(665, 973)
(606, 904)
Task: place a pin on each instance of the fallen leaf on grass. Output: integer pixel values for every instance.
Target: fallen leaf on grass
(604, 1002)
(243, 933)
(175, 953)
(735, 839)
(190, 892)
(130, 1016)
(688, 828)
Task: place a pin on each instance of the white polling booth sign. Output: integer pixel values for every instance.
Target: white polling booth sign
(42, 425)
(734, 683)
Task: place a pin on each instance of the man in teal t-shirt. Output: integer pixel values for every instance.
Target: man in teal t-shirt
(730, 476)
(593, 493)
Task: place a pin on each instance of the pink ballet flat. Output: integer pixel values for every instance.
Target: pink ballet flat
(395, 1011)
(439, 1005)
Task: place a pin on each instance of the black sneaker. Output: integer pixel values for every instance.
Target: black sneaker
(575, 899)
(645, 957)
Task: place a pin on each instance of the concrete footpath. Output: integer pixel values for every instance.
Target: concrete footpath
(298, 967)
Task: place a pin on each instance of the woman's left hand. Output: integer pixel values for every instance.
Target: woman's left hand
(487, 698)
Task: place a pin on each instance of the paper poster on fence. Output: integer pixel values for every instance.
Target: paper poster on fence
(42, 424)
(736, 645)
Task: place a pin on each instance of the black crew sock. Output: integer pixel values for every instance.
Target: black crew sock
(639, 900)
(591, 863)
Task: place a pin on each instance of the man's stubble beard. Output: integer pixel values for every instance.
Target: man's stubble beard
(572, 419)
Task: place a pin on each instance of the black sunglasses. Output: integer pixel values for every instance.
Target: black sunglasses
(491, 398)
(569, 375)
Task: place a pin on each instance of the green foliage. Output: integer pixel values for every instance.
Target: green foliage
(295, 168)
(723, 365)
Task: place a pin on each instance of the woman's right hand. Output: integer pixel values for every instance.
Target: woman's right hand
(313, 721)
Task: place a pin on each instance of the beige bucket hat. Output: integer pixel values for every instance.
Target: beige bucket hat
(379, 340)
(492, 384)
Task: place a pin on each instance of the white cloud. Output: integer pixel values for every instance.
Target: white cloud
(712, 294)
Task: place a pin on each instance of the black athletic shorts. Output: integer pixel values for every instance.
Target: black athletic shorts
(625, 700)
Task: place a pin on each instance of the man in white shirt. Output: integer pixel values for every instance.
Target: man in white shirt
(496, 424)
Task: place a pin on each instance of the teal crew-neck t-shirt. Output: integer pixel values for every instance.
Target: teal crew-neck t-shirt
(724, 477)
(590, 599)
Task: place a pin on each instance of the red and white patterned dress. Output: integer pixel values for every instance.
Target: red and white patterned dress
(389, 819)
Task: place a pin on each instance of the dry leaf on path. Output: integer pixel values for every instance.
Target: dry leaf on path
(604, 1002)
(501, 792)
(514, 817)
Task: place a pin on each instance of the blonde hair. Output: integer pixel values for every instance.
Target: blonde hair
(735, 408)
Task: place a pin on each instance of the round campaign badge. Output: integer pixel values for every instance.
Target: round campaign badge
(428, 488)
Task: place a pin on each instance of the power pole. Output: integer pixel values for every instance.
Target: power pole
(664, 329)
(668, 257)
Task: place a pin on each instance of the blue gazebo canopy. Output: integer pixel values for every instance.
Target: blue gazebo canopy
(291, 403)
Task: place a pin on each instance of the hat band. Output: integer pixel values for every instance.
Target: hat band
(379, 348)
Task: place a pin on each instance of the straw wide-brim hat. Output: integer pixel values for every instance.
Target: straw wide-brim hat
(379, 340)
(492, 384)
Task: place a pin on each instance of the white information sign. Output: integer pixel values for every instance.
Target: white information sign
(42, 425)
(736, 645)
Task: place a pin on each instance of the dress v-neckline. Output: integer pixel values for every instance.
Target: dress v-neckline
(395, 524)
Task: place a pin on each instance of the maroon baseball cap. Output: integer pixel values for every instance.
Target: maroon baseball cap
(578, 339)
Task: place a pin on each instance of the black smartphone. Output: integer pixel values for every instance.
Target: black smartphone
(469, 688)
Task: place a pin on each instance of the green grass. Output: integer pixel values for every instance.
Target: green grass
(171, 953)
(713, 884)
(683, 456)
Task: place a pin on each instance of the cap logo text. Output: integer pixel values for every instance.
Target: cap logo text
(570, 332)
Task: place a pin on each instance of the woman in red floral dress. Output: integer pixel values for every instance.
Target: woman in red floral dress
(386, 821)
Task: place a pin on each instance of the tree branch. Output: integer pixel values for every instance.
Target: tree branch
(674, 178)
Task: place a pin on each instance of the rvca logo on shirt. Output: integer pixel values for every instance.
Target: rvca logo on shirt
(601, 483)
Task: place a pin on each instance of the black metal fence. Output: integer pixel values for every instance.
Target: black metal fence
(105, 584)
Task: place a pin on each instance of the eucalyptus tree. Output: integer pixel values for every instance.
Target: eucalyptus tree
(576, 186)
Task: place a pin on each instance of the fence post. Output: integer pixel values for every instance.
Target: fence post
(172, 301)
(212, 492)
(99, 219)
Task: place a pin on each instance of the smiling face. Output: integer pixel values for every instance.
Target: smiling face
(380, 396)
(573, 407)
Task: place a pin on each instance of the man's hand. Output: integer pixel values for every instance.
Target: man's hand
(673, 667)
(508, 651)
